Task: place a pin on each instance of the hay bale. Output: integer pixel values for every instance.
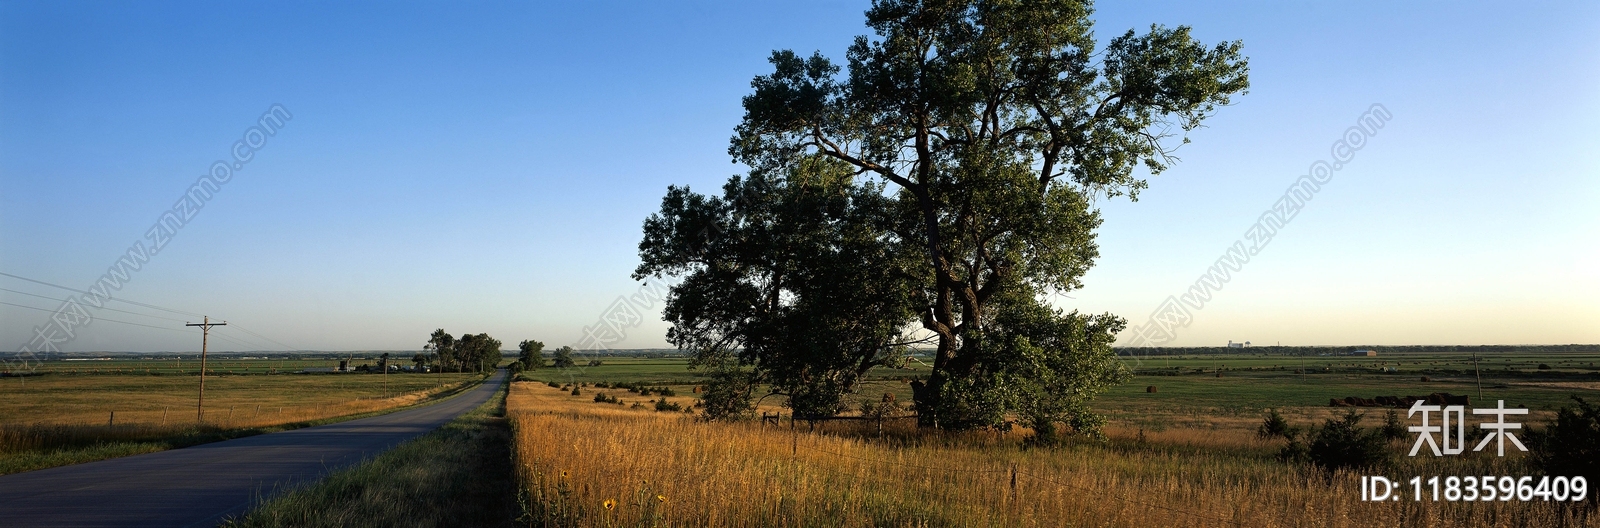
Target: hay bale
(1150, 389)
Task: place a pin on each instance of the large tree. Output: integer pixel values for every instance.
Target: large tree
(443, 346)
(530, 354)
(993, 126)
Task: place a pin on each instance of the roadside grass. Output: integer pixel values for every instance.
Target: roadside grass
(45, 444)
(584, 464)
(458, 475)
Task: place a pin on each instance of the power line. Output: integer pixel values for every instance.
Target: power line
(97, 318)
(100, 308)
(274, 341)
(135, 303)
(151, 306)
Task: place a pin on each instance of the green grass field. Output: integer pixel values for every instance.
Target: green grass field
(1190, 392)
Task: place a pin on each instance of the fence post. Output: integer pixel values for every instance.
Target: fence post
(1014, 481)
(113, 420)
(163, 416)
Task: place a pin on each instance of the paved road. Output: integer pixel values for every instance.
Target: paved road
(201, 485)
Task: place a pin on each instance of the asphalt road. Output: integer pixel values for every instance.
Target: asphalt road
(202, 485)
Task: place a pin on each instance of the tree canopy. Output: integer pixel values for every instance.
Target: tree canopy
(478, 353)
(940, 187)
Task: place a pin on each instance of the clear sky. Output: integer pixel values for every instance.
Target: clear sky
(486, 167)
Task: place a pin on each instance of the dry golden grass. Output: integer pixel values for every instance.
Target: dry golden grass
(231, 401)
(575, 457)
(63, 419)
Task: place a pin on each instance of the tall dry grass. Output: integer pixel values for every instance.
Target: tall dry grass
(574, 457)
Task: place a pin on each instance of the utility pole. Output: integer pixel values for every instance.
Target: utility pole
(1477, 375)
(205, 335)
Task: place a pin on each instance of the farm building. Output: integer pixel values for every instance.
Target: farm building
(1367, 353)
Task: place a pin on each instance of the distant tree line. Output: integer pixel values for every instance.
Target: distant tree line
(469, 353)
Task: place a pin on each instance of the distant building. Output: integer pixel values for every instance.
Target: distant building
(1232, 344)
(1367, 353)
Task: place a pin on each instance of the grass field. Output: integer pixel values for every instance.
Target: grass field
(1190, 393)
(589, 464)
(60, 417)
(1184, 455)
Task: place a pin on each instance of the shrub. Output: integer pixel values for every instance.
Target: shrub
(553, 384)
(576, 391)
(727, 395)
(1275, 426)
(1393, 428)
(664, 405)
(1571, 444)
(1343, 444)
(604, 398)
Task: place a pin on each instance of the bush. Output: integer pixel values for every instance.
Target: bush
(1343, 444)
(664, 405)
(1393, 428)
(727, 395)
(553, 384)
(1570, 445)
(1275, 426)
(576, 391)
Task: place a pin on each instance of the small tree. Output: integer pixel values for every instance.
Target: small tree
(1275, 426)
(1393, 428)
(531, 354)
(1570, 445)
(1343, 444)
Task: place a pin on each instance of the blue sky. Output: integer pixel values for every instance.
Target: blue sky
(487, 167)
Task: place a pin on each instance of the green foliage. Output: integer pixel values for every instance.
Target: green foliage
(945, 180)
(664, 405)
(786, 272)
(1393, 428)
(1275, 426)
(1343, 444)
(1570, 445)
(563, 358)
(728, 395)
(529, 354)
(474, 353)
(604, 398)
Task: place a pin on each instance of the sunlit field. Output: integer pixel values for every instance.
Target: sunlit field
(115, 408)
(1185, 455)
